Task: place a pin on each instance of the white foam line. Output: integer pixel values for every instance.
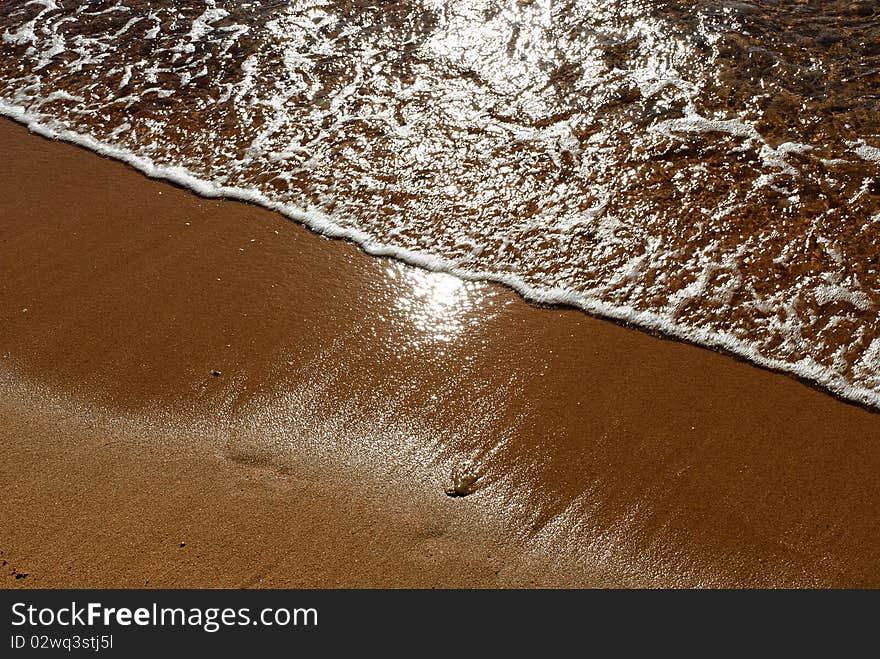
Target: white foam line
(314, 219)
(866, 152)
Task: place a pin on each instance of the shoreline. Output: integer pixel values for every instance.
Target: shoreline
(812, 374)
(603, 455)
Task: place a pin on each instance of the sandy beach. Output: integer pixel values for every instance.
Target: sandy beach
(202, 393)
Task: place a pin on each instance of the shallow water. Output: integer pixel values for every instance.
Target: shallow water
(707, 169)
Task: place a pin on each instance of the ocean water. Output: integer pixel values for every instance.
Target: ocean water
(710, 170)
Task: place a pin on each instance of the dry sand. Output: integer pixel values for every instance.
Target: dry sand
(349, 389)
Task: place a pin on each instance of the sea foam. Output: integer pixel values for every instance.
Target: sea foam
(594, 168)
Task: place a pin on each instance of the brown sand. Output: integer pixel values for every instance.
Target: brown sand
(349, 389)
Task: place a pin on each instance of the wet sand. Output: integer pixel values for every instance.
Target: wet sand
(182, 370)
